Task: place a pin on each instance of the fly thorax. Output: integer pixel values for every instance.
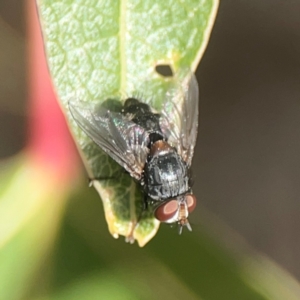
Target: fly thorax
(166, 174)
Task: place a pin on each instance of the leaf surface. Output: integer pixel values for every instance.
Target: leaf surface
(99, 50)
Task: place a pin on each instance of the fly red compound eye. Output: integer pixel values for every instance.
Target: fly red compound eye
(191, 202)
(166, 211)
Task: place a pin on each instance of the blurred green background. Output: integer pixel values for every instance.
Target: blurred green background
(246, 170)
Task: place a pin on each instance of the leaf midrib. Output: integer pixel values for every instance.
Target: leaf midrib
(122, 41)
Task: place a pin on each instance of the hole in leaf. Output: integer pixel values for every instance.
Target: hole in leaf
(164, 70)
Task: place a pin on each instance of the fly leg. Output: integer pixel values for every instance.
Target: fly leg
(130, 237)
(144, 208)
(91, 180)
(145, 203)
(104, 178)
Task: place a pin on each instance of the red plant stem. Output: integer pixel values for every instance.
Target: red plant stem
(49, 139)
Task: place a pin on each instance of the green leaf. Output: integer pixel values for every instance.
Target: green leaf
(108, 49)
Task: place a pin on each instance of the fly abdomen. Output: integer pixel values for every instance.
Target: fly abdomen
(166, 174)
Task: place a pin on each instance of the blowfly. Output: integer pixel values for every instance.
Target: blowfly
(155, 148)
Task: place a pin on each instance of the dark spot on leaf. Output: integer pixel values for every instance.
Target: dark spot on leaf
(164, 70)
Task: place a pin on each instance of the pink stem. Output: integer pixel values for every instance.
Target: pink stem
(49, 139)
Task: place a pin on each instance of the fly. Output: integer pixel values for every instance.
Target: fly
(155, 148)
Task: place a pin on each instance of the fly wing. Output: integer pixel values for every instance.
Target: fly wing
(125, 141)
(179, 120)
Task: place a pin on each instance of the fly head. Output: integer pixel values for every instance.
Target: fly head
(177, 210)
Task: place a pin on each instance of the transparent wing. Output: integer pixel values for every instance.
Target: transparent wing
(179, 120)
(125, 141)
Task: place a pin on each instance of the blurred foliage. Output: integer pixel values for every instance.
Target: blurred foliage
(84, 262)
(31, 204)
